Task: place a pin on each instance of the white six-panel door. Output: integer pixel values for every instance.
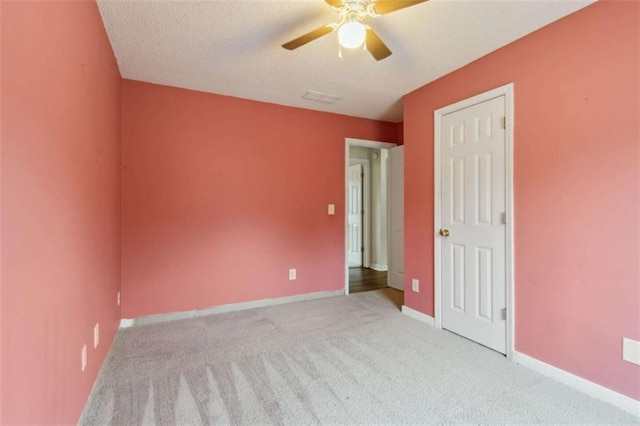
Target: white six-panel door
(473, 263)
(395, 274)
(354, 245)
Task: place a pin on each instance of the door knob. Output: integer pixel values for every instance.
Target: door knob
(444, 232)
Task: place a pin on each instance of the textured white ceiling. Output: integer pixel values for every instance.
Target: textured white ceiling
(233, 47)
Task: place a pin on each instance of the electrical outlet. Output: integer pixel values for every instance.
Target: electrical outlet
(631, 350)
(84, 357)
(96, 335)
(118, 299)
(415, 285)
(292, 274)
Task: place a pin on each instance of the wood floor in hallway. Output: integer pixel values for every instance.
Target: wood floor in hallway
(365, 279)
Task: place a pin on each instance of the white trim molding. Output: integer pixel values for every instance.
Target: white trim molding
(418, 315)
(369, 144)
(126, 323)
(508, 92)
(592, 389)
(232, 307)
(378, 267)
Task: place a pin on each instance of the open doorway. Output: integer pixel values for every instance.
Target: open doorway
(367, 218)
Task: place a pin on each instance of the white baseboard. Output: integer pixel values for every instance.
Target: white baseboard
(152, 319)
(379, 267)
(418, 315)
(592, 389)
(126, 323)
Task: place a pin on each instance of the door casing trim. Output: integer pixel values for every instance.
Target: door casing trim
(508, 92)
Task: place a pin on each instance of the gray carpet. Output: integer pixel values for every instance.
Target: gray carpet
(341, 360)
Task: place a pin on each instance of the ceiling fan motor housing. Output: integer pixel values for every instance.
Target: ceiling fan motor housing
(356, 10)
(352, 14)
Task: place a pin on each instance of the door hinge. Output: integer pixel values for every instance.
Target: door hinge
(362, 212)
(503, 313)
(362, 249)
(503, 122)
(361, 174)
(503, 218)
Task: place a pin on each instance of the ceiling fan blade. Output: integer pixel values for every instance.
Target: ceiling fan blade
(335, 3)
(310, 36)
(375, 46)
(382, 7)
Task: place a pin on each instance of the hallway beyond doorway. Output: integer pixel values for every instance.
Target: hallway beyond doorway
(366, 279)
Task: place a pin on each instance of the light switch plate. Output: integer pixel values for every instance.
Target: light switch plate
(292, 274)
(415, 285)
(332, 209)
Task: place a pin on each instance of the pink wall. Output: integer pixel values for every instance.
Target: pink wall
(1, 31)
(400, 133)
(222, 196)
(577, 183)
(60, 206)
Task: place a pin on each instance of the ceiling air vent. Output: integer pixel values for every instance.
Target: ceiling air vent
(320, 97)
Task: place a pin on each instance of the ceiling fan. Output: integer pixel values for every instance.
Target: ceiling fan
(352, 31)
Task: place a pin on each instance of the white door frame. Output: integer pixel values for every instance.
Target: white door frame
(366, 144)
(391, 214)
(507, 92)
(366, 206)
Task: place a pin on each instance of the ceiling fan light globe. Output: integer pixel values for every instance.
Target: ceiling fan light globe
(351, 34)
